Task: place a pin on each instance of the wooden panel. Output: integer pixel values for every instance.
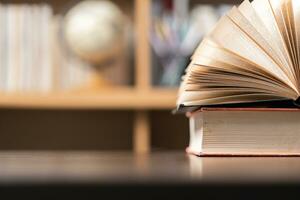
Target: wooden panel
(65, 130)
(62, 6)
(141, 134)
(169, 132)
(142, 49)
(103, 99)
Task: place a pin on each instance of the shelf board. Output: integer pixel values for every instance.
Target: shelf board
(110, 99)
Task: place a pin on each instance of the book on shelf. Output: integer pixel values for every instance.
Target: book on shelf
(26, 61)
(34, 57)
(250, 59)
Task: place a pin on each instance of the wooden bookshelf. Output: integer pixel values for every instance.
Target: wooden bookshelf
(142, 132)
(141, 98)
(114, 99)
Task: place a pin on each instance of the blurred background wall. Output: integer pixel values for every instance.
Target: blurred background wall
(95, 74)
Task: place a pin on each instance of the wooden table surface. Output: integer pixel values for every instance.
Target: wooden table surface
(161, 175)
(160, 167)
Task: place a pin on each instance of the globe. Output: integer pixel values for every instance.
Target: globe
(93, 30)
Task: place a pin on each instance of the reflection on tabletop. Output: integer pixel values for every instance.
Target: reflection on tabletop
(123, 167)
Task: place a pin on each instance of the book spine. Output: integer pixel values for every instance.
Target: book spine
(28, 48)
(196, 134)
(12, 68)
(22, 51)
(46, 59)
(3, 47)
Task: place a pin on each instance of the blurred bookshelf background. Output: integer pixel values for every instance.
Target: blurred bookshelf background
(97, 75)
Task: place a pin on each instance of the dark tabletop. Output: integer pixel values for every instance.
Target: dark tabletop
(159, 171)
(163, 167)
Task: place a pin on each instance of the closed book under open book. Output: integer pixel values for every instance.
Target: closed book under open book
(245, 131)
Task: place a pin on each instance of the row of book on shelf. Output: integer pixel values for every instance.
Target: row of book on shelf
(34, 56)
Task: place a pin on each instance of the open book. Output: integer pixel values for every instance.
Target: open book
(252, 55)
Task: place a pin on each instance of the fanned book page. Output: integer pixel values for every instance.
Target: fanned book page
(252, 55)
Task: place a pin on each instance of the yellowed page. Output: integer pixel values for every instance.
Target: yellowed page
(214, 79)
(202, 95)
(210, 50)
(216, 69)
(244, 24)
(276, 43)
(240, 43)
(265, 12)
(296, 17)
(280, 14)
(239, 98)
(288, 15)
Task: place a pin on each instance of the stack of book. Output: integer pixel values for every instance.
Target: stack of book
(242, 87)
